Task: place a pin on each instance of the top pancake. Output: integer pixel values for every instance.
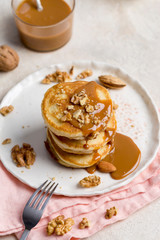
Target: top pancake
(59, 97)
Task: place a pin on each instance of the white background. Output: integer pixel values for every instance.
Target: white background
(123, 33)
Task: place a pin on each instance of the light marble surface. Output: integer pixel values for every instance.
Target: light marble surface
(124, 33)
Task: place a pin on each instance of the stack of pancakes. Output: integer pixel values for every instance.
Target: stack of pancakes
(80, 123)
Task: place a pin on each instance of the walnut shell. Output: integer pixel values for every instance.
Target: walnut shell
(9, 59)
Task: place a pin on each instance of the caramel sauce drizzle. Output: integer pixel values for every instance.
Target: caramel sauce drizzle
(107, 138)
(125, 156)
(103, 113)
(91, 169)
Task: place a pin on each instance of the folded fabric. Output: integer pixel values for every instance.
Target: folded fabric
(128, 199)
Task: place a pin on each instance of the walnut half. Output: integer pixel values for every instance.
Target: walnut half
(9, 59)
(23, 156)
(60, 225)
(90, 181)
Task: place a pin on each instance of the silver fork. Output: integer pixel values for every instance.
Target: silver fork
(35, 206)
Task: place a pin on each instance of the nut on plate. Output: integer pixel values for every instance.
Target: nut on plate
(23, 156)
(6, 141)
(90, 181)
(106, 167)
(86, 73)
(6, 110)
(9, 59)
(110, 81)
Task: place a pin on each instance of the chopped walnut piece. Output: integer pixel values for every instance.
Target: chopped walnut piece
(60, 230)
(111, 212)
(58, 104)
(84, 100)
(6, 141)
(7, 109)
(49, 78)
(16, 148)
(69, 221)
(60, 219)
(84, 223)
(80, 98)
(51, 226)
(96, 121)
(71, 70)
(86, 73)
(90, 181)
(87, 119)
(82, 93)
(26, 145)
(60, 225)
(75, 99)
(46, 80)
(20, 160)
(70, 107)
(62, 90)
(29, 156)
(77, 114)
(62, 77)
(89, 108)
(65, 112)
(23, 156)
(57, 76)
(66, 117)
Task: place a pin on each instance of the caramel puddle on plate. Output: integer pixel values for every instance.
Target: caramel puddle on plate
(125, 156)
(91, 169)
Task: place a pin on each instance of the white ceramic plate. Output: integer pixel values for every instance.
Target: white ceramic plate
(136, 116)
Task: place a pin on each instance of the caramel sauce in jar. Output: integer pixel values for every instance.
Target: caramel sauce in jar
(53, 12)
(125, 156)
(44, 30)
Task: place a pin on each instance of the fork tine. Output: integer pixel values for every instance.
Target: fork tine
(41, 200)
(39, 195)
(34, 194)
(50, 195)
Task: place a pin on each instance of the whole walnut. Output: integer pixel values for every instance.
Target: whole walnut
(9, 59)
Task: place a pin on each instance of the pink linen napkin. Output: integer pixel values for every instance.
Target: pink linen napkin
(128, 199)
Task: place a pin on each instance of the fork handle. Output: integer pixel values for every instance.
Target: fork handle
(25, 234)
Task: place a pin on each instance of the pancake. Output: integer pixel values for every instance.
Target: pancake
(58, 98)
(76, 160)
(82, 146)
(86, 146)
